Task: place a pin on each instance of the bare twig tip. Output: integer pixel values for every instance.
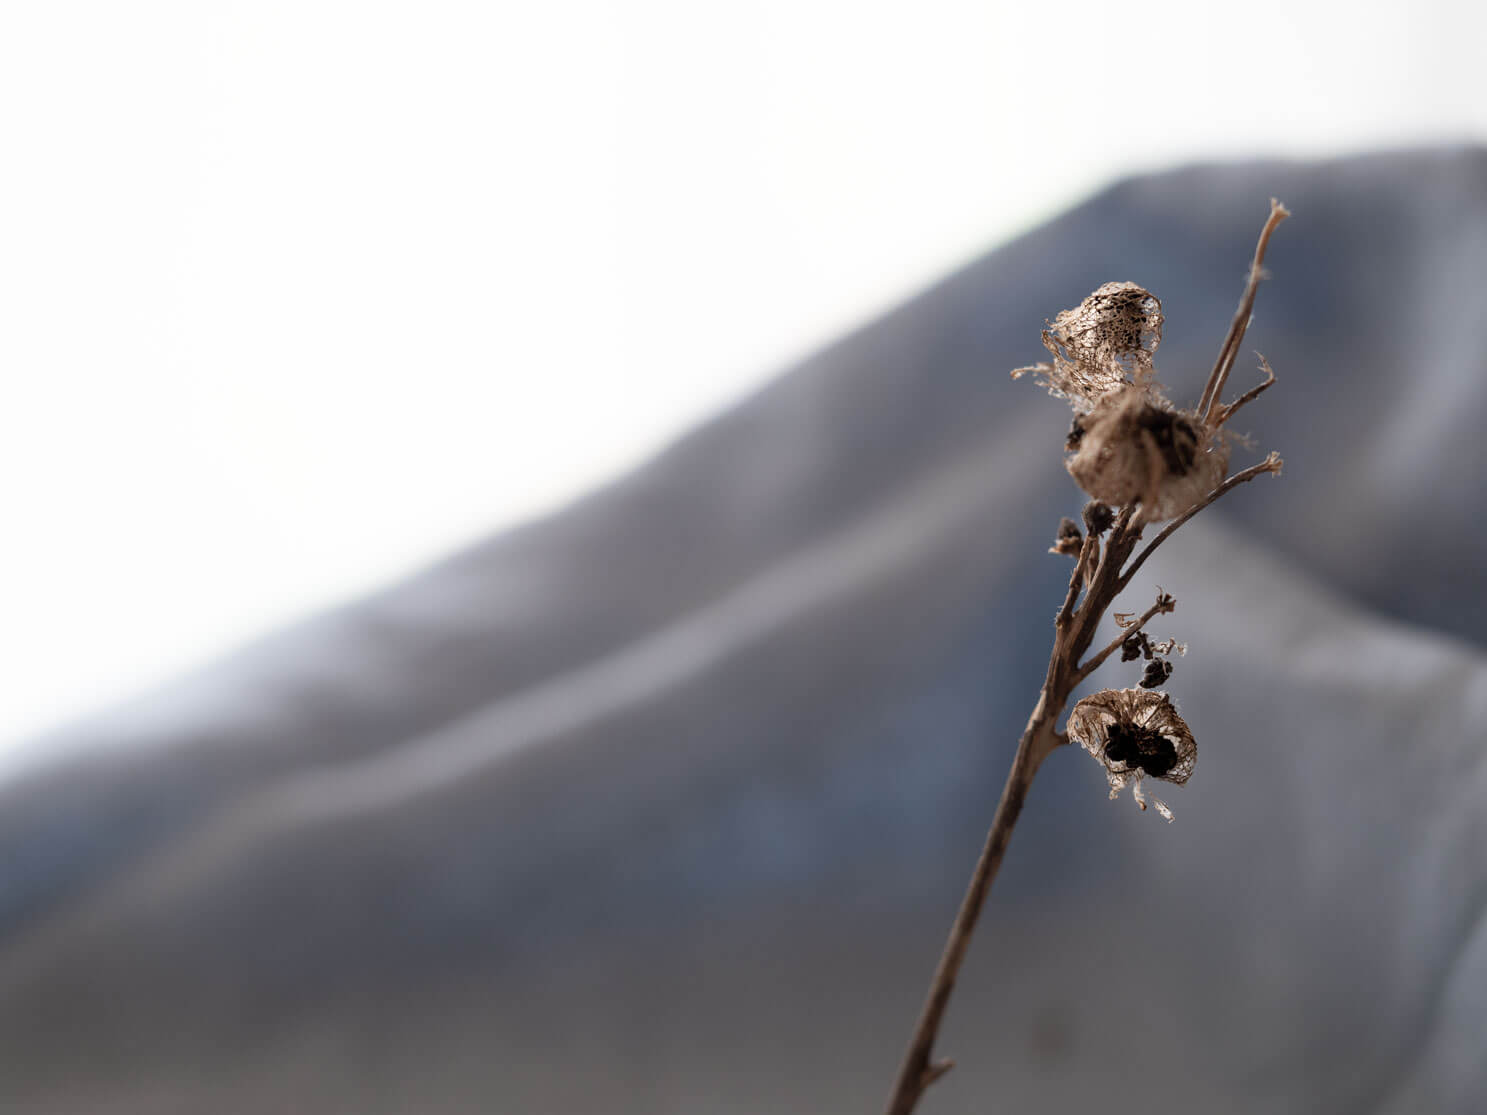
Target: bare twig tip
(937, 1070)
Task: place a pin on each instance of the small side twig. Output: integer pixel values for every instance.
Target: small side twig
(1271, 463)
(1163, 605)
(1225, 411)
(1235, 337)
(1088, 560)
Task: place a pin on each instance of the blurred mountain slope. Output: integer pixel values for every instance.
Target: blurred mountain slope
(664, 803)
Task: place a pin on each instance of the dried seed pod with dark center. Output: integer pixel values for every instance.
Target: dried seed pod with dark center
(1103, 343)
(1134, 733)
(1132, 449)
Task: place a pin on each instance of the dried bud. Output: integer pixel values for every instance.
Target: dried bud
(1157, 671)
(1098, 518)
(1134, 646)
(1133, 733)
(1069, 540)
(1132, 449)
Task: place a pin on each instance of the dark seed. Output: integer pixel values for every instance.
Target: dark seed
(1176, 438)
(1157, 671)
(1161, 758)
(1075, 434)
(1138, 747)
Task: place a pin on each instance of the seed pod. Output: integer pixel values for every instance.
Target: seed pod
(1132, 449)
(1119, 326)
(1134, 733)
(1102, 344)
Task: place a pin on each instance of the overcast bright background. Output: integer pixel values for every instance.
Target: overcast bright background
(295, 297)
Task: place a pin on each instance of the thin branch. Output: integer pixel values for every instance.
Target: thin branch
(1103, 587)
(1225, 411)
(1082, 564)
(937, 1070)
(1271, 463)
(1095, 571)
(1163, 605)
(1235, 336)
(917, 1072)
(1097, 574)
(1117, 537)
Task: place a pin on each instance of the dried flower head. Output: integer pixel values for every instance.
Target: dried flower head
(1133, 447)
(1128, 445)
(1134, 733)
(1103, 343)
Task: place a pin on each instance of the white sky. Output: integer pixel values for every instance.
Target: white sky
(297, 296)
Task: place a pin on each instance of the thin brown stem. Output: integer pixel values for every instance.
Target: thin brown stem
(1164, 604)
(1098, 578)
(1225, 411)
(918, 1072)
(1235, 337)
(1271, 463)
(1094, 583)
(1104, 586)
(1082, 564)
(1095, 573)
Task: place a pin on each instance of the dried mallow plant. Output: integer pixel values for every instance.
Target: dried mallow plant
(1142, 461)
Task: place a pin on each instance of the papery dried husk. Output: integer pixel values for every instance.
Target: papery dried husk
(1131, 449)
(1104, 343)
(1093, 718)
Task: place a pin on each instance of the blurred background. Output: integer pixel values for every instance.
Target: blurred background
(524, 566)
(301, 296)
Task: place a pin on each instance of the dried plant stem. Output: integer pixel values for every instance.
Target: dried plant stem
(1271, 464)
(918, 1072)
(1073, 631)
(1097, 579)
(1164, 604)
(1225, 411)
(1100, 573)
(1214, 389)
